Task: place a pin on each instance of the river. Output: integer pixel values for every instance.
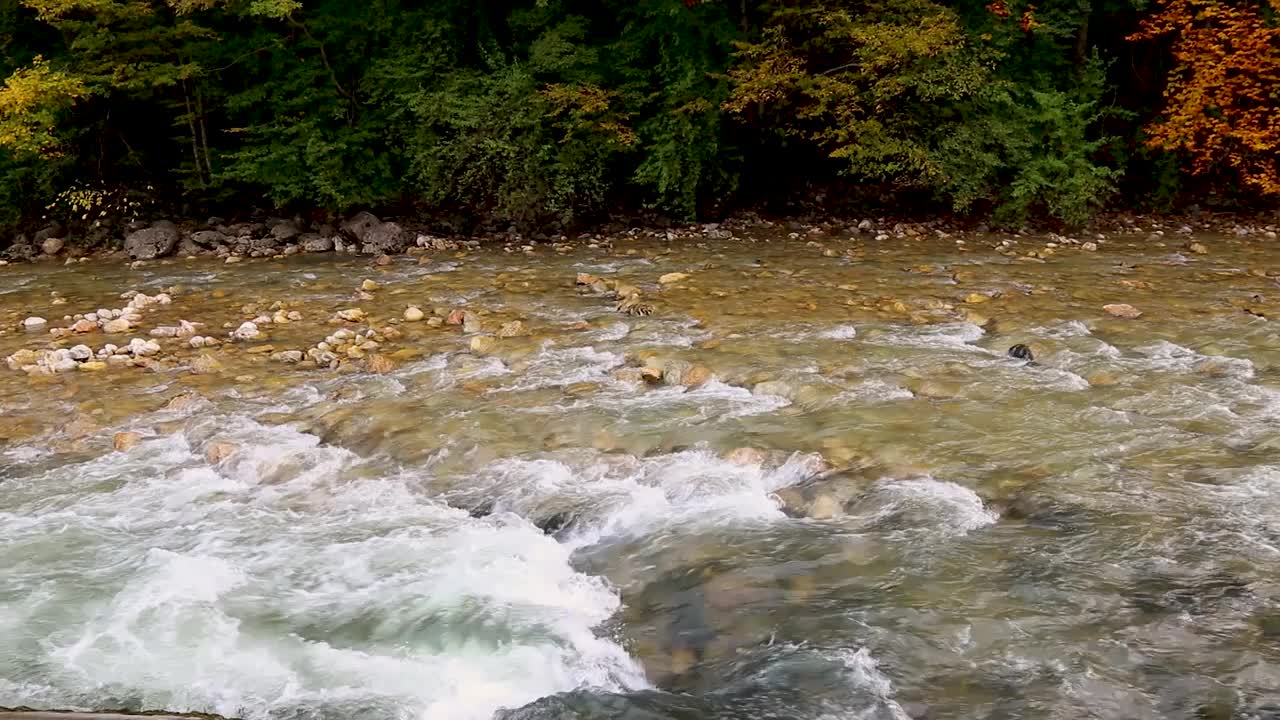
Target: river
(860, 507)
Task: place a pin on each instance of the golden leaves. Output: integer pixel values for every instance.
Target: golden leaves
(29, 102)
(1221, 100)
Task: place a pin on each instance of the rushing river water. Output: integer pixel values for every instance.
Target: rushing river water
(914, 524)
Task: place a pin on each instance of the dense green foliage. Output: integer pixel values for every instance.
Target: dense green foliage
(555, 111)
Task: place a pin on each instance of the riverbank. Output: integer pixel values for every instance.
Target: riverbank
(366, 234)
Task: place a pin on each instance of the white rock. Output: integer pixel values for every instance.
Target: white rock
(247, 331)
(414, 314)
(34, 322)
(142, 348)
(91, 317)
(81, 352)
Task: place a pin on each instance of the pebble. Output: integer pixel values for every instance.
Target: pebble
(351, 315)
(1198, 248)
(81, 352)
(1089, 246)
(233, 259)
(674, 277)
(119, 325)
(84, 326)
(414, 314)
(288, 356)
(34, 322)
(92, 366)
(369, 285)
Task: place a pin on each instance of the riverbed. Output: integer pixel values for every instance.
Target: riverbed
(808, 481)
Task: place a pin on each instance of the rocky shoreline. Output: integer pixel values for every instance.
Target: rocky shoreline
(366, 234)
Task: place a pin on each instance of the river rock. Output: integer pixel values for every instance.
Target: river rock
(674, 371)
(124, 441)
(483, 344)
(285, 230)
(34, 323)
(515, 328)
(351, 315)
(52, 246)
(117, 326)
(143, 348)
(84, 326)
(374, 236)
(219, 451)
(456, 317)
(21, 358)
(288, 356)
(746, 457)
(413, 314)
(209, 238)
(471, 323)
(1123, 310)
(673, 277)
(777, 388)
(380, 364)
(81, 353)
(317, 243)
(247, 331)
(157, 241)
(185, 402)
(696, 377)
(92, 366)
(205, 364)
(369, 285)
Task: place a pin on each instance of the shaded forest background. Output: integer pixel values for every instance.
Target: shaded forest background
(555, 112)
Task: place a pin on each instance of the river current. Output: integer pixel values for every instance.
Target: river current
(861, 506)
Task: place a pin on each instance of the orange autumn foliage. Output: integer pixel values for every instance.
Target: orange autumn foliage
(1222, 103)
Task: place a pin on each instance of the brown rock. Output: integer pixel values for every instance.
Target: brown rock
(185, 402)
(205, 364)
(696, 377)
(123, 441)
(745, 456)
(1123, 310)
(84, 326)
(482, 344)
(219, 451)
(457, 317)
(512, 329)
(380, 364)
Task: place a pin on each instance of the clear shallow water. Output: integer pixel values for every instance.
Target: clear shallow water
(936, 530)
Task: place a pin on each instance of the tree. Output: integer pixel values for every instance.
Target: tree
(1223, 97)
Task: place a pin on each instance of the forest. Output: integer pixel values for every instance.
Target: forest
(553, 113)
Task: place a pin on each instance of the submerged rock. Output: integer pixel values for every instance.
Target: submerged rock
(1122, 310)
(1021, 352)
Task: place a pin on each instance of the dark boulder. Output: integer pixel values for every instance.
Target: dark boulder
(208, 238)
(159, 240)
